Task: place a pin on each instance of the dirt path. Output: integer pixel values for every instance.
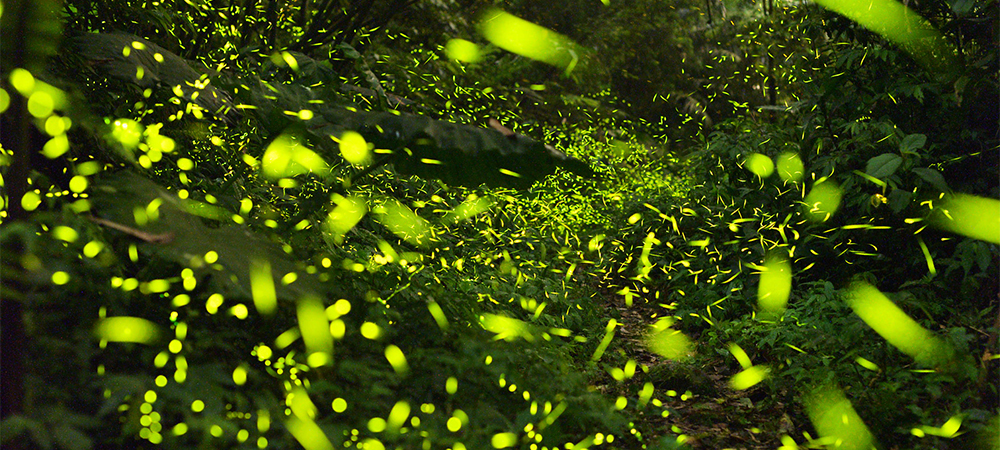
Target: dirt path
(696, 396)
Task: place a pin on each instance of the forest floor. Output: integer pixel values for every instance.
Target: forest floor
(697, 397)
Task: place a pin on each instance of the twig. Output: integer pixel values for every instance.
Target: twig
(162, 238)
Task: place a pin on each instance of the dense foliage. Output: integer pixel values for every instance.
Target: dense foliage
(299, 223)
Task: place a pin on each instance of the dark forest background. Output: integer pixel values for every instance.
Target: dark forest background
(600, 224)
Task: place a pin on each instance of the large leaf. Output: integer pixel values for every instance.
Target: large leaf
(933, 177)
(912, 142)
(418, 145)
(456, 154)
(883, 165)
(179, 235)
(132, 59)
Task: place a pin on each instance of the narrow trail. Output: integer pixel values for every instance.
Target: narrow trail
(695, 395)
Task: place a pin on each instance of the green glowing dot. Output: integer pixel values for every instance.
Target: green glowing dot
(748, 378)
(127, 132)
(338, 328)
(158, 286)
(22, 80)
(55, 125)
(213, 303)
(161, 143)
(181, 300)
(775, 285)
(503, 440)
(239, 311)
(40, 104)
(64, 233)
(56, 147)
(197, 406)
(790, 167)
(93, 248)
(88, 168)
(342, 307)
(127, 329)
(129, 284)
(318, 359)
(376, 425)
(30, 201)
(822, 201)
(370, 330)
(396, 358)
(760, 165)
(240, 376)
(4, 100)
(354, 148)
(462, 50)
(60, 278)
(78, 184)
(339, 405)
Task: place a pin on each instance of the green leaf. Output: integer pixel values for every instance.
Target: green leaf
(962, 7)
(912, 142)
(12, 427)
(933, 177)
(456, 154)
(899, 199)
(883, 165)
(71, 438)
(183, 238)
(405, 223)
(348, 51)
(134, 60)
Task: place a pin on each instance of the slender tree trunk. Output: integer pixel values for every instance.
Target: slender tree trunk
(772, 86)
(14, 135)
